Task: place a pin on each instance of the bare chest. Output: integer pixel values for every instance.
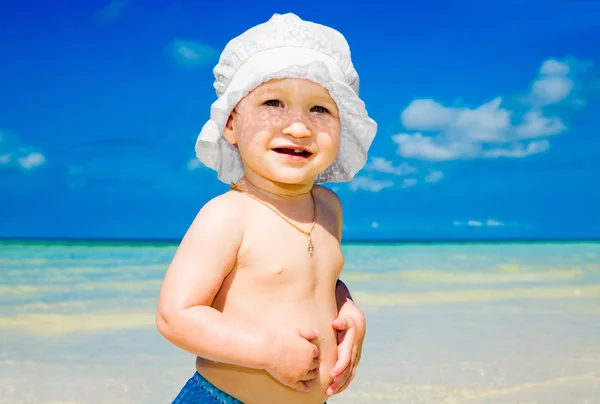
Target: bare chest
(275, 251)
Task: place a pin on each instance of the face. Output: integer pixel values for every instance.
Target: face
(286, 130)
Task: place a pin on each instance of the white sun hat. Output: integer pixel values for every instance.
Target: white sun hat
(287, 47)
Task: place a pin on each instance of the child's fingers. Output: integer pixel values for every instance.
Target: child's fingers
(341, 323)
(316, 352)
(347, 382)
(308, 334)
(339, 382)
(301, 386)
(342, 363)
(311, 375)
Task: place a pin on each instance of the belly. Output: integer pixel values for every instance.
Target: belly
(253, 386)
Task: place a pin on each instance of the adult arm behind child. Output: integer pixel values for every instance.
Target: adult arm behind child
(185, 317)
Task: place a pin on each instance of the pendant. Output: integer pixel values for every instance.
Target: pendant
(310, 244)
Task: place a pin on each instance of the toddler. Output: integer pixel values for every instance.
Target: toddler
(253, 288)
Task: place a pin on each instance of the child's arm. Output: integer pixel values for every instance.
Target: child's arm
(350, 322)
(185, 317)
(351, 326)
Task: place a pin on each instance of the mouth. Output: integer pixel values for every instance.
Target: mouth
(294, 152)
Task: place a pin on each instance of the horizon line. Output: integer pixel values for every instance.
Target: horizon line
(432, 240)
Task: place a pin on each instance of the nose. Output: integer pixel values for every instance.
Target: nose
(297, 129)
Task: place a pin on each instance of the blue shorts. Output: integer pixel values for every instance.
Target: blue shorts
(198, 390)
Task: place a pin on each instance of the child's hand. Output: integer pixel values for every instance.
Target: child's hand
(351, 333)
(295, 360)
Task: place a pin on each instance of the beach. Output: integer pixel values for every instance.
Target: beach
(446, 323)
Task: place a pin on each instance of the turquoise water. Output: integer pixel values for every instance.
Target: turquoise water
(54, 278)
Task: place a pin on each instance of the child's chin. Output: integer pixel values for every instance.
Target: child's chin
(293, 177)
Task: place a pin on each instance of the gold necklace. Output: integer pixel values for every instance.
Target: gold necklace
(307, 233)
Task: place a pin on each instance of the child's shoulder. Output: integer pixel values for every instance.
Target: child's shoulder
(224, 201)
(224, 209)
(328, 197)
(329, 201)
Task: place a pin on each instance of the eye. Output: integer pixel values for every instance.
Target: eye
(319, 109)
(273, 103)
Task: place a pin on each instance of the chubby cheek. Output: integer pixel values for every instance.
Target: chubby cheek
(328, 139)
(257, 124)
(262, 121)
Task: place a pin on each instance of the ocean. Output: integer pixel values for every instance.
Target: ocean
(447, 322)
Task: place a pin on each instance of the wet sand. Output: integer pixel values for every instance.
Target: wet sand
(504, 351)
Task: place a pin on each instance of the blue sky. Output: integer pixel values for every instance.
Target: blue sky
(487, 114)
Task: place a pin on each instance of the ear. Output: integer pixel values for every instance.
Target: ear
(229, 132)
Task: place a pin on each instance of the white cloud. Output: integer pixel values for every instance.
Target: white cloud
(193, 164)
(492, 222)
(551, 90)
(552, 84)
(14, 152)
(491, 130)
(409, 182)
(32, 160)
(192, 53)
(434, 176)
(488, 122)
(478, 223)
(422, 147)
(375, 225)
(536, 125)
(426, 114)
(384, 166)
(369, 184)
(518, 150)
(380, 164)
(553, 67)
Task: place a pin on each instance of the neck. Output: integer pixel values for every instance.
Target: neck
(275, 189)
